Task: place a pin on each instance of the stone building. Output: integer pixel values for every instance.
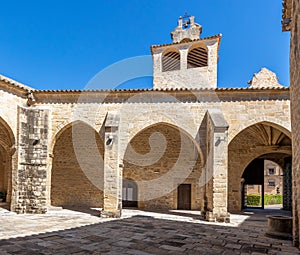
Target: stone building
(273, 176)
(184, 144)
(291, 22)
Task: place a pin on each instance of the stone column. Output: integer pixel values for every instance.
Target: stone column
(112, 202)
(216, 168)
(29, 180)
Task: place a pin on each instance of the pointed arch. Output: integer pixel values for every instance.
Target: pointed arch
(77, 167)
(252, 142)
(7, 138)
(7, 142)
(159, 158)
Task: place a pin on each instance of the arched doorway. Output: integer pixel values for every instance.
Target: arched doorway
(267, 183)
(77, 167)
(7, 142)
(256, 143)
(160, 159)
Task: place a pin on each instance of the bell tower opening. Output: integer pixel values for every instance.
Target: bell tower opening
(189, 61)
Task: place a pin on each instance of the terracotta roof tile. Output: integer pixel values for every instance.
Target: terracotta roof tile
(218, 36)
(15, 83)
(162, 90)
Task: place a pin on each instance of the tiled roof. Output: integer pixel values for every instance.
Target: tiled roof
(26, 89)
(15, 83)
(218, 36)
(163, 90)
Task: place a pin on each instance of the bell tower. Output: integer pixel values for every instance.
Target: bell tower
(186, 29)
(189, 61)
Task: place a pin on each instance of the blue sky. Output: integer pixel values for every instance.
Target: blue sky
(63, 44)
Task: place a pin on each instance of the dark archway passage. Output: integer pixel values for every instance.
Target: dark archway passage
(266, 182)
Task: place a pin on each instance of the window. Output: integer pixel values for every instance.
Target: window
(271, 171)
(197, 58)
(171, 61)
(271, 184)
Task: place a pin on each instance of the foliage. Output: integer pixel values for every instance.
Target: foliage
(255, 200)
(273, 199)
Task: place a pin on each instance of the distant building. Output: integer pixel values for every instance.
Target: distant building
(273, 180)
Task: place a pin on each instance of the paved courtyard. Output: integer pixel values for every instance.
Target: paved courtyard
(76, 231)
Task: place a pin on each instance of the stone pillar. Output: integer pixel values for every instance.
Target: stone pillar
(29, 180)
(112, 202)
(216, 168)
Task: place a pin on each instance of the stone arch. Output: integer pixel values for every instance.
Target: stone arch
(7, 143)
(61, 128)
(7, 138)
(191, 131)
(77, 167)
(197, 56)
(170, 60)
(251, 143)
(159, 158)
(284, 126)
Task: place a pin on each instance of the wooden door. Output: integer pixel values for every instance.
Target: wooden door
(184, 197)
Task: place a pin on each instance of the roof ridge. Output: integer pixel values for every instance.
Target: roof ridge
(15, 83)
(196, 40)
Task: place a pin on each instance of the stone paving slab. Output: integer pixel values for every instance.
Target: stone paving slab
(136, 233)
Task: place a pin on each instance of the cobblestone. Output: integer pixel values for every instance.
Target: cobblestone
(136, 233)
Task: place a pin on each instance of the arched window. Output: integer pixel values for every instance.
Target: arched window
(171, 61)
(197, 57)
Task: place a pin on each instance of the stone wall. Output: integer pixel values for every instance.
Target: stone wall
(77, 167)
(200, 77)
(138, 111)
(11, 98)
(29, 181)
(295, 108)
(160, 158)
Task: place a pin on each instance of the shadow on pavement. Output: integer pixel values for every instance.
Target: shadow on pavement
(143, 234)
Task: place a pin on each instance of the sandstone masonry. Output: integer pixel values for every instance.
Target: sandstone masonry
(182, 145)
